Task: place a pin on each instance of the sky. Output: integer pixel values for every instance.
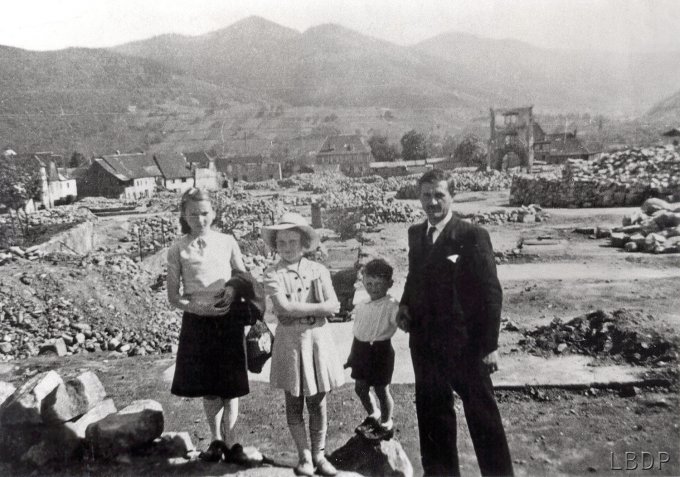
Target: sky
(611, 25)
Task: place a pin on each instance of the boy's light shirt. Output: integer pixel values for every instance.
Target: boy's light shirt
(376, 320)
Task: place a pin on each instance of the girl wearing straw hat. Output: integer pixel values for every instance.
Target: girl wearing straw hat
(304, 362)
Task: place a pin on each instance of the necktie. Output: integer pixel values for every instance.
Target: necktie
(429, 242)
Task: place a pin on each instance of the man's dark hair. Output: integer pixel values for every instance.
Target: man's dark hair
(437, 175)
(378, 268)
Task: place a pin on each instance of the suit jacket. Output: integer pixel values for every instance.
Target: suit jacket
(452, 291)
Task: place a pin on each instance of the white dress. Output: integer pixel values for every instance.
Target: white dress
(304, 359)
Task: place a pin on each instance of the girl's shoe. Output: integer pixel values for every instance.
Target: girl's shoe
(323, 467)
(305, 468)
(236, 455)
(215, 452)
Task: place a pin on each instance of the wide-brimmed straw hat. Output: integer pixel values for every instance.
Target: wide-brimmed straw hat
(290, 220)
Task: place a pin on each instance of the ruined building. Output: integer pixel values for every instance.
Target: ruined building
(511, 143)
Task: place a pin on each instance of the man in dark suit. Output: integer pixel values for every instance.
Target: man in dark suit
(451, 307)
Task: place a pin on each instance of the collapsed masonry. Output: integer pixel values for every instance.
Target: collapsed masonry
(49, 420)
(622, 178)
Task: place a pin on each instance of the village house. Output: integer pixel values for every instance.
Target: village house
(202, 166)
(346, 153)
(55, 187)
(517, 140)
(124, 176)
(556, 148)
(176, 173)
(673, 136)
(248, 168)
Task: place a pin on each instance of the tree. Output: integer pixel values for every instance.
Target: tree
(19, 183)
(77, 160)
(471, 151)
(449, 146)
(382, 150)
(413, 146)
(433, 145)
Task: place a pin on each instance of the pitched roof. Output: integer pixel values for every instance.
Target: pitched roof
(200, 157)
(344, 144)
(129, 166)
(222, 163)
(172, 165)
(672, 132)
(73, 172)
(565, 145)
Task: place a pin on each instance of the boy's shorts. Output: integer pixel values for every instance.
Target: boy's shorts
(372, 362)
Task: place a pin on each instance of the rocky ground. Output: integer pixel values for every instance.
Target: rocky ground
(109, 305)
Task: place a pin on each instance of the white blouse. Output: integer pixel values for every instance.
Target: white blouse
(204, 264)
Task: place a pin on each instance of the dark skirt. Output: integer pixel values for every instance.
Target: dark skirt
(211, 358)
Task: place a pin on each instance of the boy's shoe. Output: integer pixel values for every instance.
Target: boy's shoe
(367, 427)
(382, 433)
(215, 452)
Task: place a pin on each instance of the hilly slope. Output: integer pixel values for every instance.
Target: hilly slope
(90, 99)
(325, 65)
(335, 66)
(667, 111)
(562, 79)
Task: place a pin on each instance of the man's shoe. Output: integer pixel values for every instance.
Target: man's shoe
(367, 427)
(215, 452)
(323, 467)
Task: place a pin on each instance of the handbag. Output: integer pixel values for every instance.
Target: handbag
(259, 344)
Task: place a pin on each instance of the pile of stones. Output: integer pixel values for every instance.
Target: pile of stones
(654, 228)
(525, 214)
(622, 178)
(467, 181)
(106, 203)
(48, 421)
(622, 335)
(153, 233)
(14, 252)
(40, 224)
(64, 305)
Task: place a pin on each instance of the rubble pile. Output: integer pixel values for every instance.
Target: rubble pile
(106, 203)
(525, 214)
(51, 420)
(41, 224)
(65, 304)
(152, 233)
(622, 335)
(14, 252)
(654, 228)
(622, 178)
(467, 181)
(362, 207)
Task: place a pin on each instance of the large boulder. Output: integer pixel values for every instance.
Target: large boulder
(380, 458)
(61, 442)
(134, 426)
(73, 399)
(24, 406)
(652, 205)
(6, 390)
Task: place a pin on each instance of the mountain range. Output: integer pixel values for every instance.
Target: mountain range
(211, 87)
(332, 65)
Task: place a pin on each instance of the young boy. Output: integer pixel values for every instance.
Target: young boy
(372, 355)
